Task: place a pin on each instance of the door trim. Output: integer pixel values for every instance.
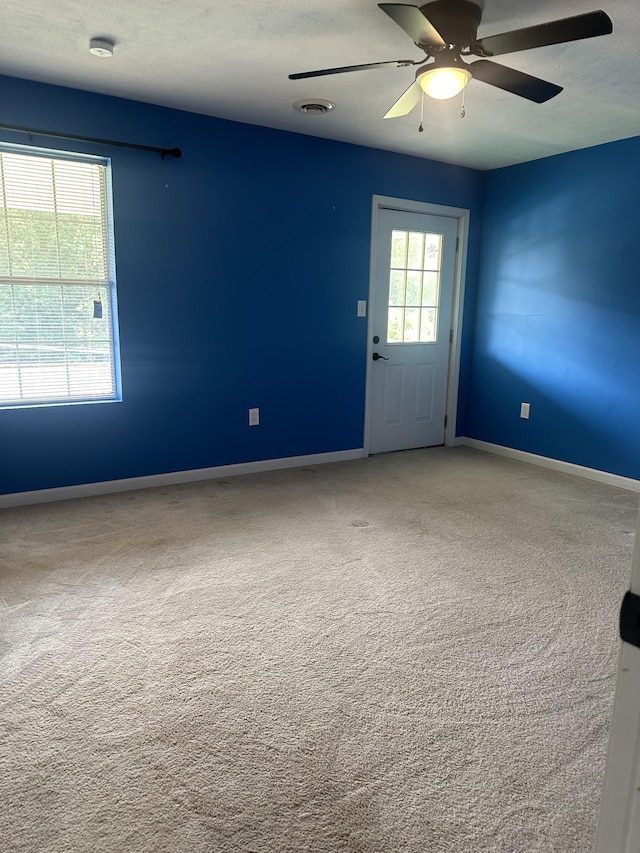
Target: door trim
(461, 214)
(619, 820)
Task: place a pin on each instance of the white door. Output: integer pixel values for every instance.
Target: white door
(619, 826)
(410, 329)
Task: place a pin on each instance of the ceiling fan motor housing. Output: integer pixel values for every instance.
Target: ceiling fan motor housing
(457, 21)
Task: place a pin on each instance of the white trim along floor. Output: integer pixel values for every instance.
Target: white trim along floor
(175, 477)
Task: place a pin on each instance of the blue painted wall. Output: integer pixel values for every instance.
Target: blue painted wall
(558, 311)
(239, 269)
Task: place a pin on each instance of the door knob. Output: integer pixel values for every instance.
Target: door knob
(376, 357)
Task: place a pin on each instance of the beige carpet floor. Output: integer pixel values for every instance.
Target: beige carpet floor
(411, 653)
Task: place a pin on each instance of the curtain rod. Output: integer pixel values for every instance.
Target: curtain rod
(164, 152)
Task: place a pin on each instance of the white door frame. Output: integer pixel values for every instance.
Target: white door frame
(619, 824)
(461, 214)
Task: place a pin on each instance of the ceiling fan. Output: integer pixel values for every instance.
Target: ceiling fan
(446, 30)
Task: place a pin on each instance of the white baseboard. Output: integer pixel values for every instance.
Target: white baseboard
(555, 464)
(175, 477)
(107, 487)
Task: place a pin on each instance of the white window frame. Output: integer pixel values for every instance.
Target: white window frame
(109, 284)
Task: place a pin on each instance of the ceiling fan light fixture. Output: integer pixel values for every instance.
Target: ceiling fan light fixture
(442, 82)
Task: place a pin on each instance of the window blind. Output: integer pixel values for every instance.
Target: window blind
(57, 289)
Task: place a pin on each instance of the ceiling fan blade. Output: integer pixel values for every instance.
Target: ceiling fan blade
(554, 32)
(414, 23)
(397, 63)
(532, 88)
(406, 102)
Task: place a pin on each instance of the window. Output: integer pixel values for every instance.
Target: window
(58, 327)
(414, 287)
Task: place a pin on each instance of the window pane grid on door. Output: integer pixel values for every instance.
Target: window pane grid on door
(414, 287)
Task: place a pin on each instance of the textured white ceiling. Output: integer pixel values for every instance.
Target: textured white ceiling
(231, 59)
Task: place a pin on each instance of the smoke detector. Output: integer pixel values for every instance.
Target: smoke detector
(314, 107)
(101, 47)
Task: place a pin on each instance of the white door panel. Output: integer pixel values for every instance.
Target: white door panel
(619, 825)
(411, 303)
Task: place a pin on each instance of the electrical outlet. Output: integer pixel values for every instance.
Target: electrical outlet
(254, 417)
(525, 408)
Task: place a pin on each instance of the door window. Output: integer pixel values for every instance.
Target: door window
(414, 287)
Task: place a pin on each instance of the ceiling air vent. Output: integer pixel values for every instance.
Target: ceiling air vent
(317, 107)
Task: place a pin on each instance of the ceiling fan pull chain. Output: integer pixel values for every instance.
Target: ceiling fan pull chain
(462, 111)
(421, 126)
